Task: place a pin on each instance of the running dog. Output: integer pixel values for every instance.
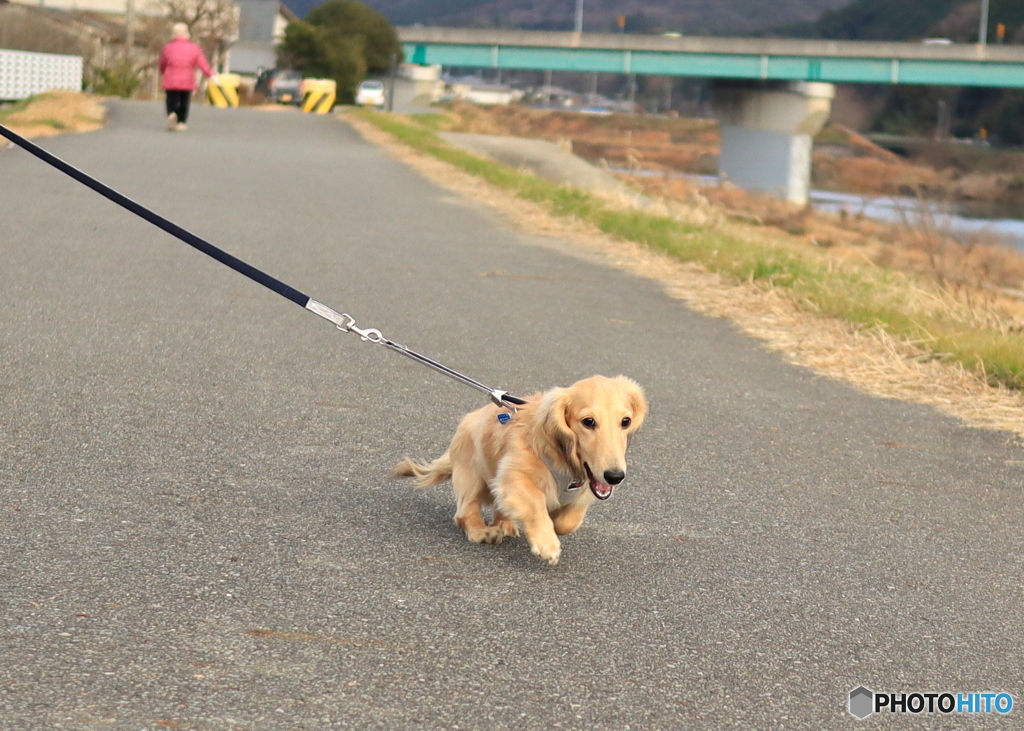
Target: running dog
(541, 466)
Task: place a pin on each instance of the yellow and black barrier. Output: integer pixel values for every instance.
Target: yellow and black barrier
(222, 90)
(318, 95)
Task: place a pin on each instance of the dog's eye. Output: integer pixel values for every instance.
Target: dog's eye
(626, 421)
(589, 423)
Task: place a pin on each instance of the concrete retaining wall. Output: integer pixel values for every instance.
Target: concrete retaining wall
(23, 73)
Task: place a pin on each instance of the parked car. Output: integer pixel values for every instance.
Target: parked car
(280, 85)
(370, 93)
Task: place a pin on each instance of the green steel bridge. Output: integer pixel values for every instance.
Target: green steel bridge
(754, 59)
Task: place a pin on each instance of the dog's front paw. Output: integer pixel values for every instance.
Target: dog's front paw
(486, 534)
(549, 550)
(507, 527)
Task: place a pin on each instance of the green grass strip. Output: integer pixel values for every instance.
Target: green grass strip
(13, 108)
(866, 298)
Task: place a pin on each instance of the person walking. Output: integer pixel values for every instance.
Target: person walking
(178, 62)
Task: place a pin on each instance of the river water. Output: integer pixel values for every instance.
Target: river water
(962, 221)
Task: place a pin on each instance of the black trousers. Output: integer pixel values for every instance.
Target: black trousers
(177, 104)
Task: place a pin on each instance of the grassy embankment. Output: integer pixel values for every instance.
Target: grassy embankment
(52, 113)
(865, 297)
(11, 113)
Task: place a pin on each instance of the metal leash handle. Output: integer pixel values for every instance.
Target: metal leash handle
(346, 323)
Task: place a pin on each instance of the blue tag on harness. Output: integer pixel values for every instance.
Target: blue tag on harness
(504, 417)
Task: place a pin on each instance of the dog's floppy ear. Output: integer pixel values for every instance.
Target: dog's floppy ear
(553, 427)
(637, 401)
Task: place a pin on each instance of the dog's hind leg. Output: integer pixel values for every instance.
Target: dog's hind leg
(507, 525)
(470, 495)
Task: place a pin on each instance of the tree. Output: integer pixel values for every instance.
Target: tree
(354, 19)
(340, 40)
(213, 24)
(882, 20)
(322, 53)
(120, 78)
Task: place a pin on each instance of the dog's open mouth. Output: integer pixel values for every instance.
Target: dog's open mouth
(601, 490)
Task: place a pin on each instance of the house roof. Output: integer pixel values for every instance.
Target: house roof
(73, 20)
(290, 16)
(105, 27)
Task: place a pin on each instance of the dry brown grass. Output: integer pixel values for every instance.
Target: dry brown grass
(844, 160)
(55, 113)
(868, 359)
(980, 271)
(877, 176)
(691, 145)
(619, 140)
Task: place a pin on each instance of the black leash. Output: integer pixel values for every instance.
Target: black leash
(344, 322)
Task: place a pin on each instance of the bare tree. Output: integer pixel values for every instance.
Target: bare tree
(212, 23)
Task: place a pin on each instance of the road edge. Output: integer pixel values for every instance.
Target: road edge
(871, 361)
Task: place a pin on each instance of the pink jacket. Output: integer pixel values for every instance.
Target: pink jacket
(178, 61)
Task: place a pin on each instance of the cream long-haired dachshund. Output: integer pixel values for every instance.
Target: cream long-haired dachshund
(543, 467)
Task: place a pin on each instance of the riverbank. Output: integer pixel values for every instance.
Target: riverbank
(886, 332)
(844, 161)
(662, 153)
(921, 244)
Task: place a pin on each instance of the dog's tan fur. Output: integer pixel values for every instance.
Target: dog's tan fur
(522, 468)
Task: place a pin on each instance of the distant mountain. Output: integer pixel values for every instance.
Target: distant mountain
(903, 20)
(692, 17)
(915, 109)
(881, 20)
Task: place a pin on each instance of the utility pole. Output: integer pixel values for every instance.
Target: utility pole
(391, 82)
(982, 24)
(129, 30)
(579, 15)
(943, 122)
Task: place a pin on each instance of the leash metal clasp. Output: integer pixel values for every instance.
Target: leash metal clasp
(501, 403)
(349, 326)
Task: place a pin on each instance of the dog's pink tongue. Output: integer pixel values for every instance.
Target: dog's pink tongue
(601, 491)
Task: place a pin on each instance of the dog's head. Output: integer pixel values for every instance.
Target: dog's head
(589, 425)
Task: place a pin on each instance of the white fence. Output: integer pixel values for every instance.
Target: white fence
(23, 73)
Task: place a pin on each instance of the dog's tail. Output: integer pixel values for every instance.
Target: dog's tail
(427, 475)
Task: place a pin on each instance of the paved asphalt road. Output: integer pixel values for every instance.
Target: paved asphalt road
(199, 529)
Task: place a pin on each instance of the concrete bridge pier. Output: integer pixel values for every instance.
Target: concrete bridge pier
(767, 133)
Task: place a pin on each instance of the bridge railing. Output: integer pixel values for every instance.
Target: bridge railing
(762, 59)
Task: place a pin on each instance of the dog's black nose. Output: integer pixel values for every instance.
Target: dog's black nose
(614, 477)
